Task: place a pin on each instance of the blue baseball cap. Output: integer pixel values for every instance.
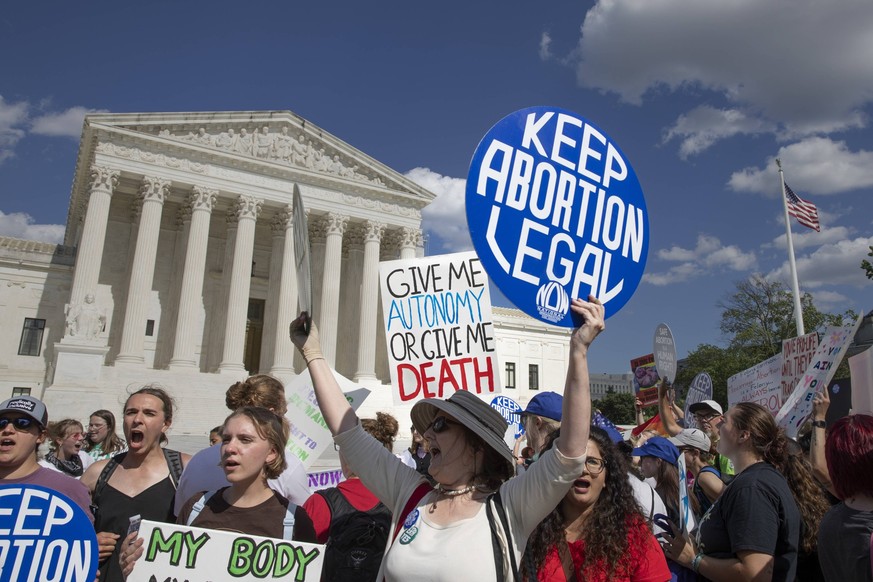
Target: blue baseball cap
(546, 404)
(658, 447)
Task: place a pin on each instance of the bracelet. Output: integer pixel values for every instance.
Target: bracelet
(695, 563)
(819, 424)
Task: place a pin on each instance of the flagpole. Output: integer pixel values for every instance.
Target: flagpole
(798, 312)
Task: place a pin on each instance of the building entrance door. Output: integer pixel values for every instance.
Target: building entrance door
(254, 333)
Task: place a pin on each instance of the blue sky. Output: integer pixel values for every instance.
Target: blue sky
(700, 96)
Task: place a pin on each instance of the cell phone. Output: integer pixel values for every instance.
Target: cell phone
(133, 527)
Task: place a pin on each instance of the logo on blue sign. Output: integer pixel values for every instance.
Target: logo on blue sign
(44, 536)
(556, 212)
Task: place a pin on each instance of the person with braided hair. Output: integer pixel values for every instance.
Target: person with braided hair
(597, 531)
(752, 532)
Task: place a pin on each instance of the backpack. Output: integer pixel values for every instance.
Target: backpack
(357, 539)
(174, 462)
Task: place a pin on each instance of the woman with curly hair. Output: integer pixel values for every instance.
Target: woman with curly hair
(813, 505)
(597, 531)
(752, 531)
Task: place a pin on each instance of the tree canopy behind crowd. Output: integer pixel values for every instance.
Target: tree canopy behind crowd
(755, 319)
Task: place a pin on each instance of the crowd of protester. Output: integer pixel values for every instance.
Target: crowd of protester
(573, 501)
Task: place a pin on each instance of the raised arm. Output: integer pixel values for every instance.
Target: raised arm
(666, 411)
(337, 413)
(820, 404)
(576, 413)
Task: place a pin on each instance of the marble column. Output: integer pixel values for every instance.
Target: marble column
(89, 253)
(200, 202)
(247, 210)
(282, 300)
(410, 241)
(152, 194)
(330, 286)
(368, 303)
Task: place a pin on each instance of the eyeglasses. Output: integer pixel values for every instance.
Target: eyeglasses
(336, 447)
(440, 424)
(21, 423)
(594, 466)
(97, 426)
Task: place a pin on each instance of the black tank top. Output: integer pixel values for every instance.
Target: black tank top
(115, 510)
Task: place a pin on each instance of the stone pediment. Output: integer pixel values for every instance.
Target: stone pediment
(275, 137)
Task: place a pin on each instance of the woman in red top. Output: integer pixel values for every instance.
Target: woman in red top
(597, 531)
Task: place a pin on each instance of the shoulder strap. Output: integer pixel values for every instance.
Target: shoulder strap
(288, 522)
(416, 496)
(498, 551)
(174, 461)
(198, 506)
(105, 474)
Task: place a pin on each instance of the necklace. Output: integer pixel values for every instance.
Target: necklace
(454, 492)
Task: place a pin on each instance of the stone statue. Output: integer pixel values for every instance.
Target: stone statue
(283, 145)
(226, 140)
(85, 320)
(336, 166)
(263, 143)
(244, 142)
(300, 151)
(202, 137)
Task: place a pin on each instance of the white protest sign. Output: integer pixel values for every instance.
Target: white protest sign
(302, 257)
(438, 327)
(797, 353)
(324, 479)
(760, 384)
(700, 390)
(44, 535)
(183, 552)
(664, 349)
(684, 501)
(818, 374)
(309, 433)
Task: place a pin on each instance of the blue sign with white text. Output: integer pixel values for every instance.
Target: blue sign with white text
(510, 410)
(556, 212)
(44, 535)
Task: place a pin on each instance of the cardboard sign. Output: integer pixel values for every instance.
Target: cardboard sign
(699, 390)
(645, 379)
(438, 327)
(556, 212)
(664, 349)
(302, 254)
(44, 535)
(310, 436)
(325, 479)
(797, 353)
(761, 384)
(183, 552)
(824, 364)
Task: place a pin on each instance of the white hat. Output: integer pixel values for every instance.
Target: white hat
(705, 405)
(692, 437)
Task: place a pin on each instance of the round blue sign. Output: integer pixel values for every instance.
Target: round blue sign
(556, 212)
(44, 535)
(510, 410)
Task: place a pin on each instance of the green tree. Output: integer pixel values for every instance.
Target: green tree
(619, 408)
(719, 363)
(867, 265)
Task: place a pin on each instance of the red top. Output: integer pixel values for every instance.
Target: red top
(645, 563)
(319, 512)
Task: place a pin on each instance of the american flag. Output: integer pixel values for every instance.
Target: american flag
(805, 212)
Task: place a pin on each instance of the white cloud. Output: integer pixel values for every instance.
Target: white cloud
(817, 165)
(810, 238)
(759, 57)
(21, 225)
(703, 126)
(831, 264)
(12, 117)
(828, 300)
(445, 217)
(545, 46)
(63, 123)
(708, 256)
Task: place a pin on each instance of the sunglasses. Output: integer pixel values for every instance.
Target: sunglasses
(440, 424)
(20, 423)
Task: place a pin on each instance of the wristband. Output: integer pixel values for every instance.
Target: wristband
(695, 563)
(819, 424)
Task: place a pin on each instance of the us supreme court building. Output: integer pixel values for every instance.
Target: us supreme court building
(177, 268)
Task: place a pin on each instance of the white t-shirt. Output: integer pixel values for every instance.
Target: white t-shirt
(648, 499)
(203, 473)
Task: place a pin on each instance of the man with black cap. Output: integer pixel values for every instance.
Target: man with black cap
(23, 420)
